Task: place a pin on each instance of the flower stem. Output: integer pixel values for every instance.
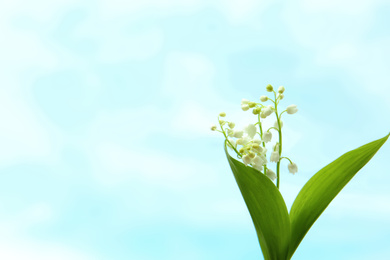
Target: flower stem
(280, 143)
(261, 136)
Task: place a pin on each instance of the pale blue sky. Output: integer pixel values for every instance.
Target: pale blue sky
(105, 105)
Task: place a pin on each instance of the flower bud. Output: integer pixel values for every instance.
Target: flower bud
(231, 125)
(222, 114)
(252, 104)
(256, 111)
(269, 88)
(244, 101)
(292, 109)
(263, 98)
(292, 168)
(280, 96)
(255, 145)
(244, 107)
(281, 89)
(242, 150)
(221, 122)
(213, 127)
(240, 141)
(252, 155)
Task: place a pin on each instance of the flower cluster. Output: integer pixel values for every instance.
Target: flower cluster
(250, 143)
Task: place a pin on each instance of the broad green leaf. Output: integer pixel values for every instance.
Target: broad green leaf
(266, 207)
(323, 187)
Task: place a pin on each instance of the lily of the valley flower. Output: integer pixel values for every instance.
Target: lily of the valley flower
(292, 109)
(266, 111)
(275, 156)
(270, 174)
(259, 160)
(246, 159)
(267, 136)
(251, 130)
(292, 168)
(251, 151)
(238, 134)
(243, 141)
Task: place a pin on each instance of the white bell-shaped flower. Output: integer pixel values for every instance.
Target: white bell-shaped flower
(259, 160)
(256, 141)
(257, 148)
(243, 141)
(270, 174)
(251, 130)
(267, 136)
(292, 109)
(292, 168)
(275, 156)
(246, 159)
(238, 134)
(258, 167)
(266, 112)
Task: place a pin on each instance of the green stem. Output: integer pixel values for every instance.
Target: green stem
(261, 136)
(286, 158)
(280, 144)
(261, 129)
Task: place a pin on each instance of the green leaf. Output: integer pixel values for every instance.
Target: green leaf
(266, 207)
(323, 187)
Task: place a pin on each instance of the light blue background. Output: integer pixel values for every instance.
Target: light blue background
(105, 108)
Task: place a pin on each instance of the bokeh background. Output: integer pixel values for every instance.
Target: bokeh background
(105, 109)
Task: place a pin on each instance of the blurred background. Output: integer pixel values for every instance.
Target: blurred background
(105, 109)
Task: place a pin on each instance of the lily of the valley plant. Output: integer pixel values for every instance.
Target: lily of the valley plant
(258, 176)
